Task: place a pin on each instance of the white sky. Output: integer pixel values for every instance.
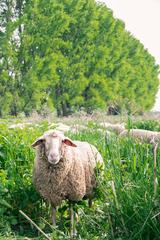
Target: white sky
(142, 19)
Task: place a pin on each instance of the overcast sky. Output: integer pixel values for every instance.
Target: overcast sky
(142, 19)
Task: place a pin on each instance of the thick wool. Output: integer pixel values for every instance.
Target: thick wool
(116, 128)
(142, 135)
(72, 178)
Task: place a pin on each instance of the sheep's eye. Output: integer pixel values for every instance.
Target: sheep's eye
(42, 141)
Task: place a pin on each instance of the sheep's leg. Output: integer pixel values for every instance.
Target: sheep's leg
(72, 227)
(54, 216)
(90, 202)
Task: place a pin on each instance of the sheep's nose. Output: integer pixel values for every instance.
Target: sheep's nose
(53, 158)
(54, 155)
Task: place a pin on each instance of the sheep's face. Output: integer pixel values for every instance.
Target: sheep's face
(53, 143)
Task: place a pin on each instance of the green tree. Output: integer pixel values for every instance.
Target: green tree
(10, 78)
(72, 54)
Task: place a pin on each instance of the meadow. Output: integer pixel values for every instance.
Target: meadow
(125, 205)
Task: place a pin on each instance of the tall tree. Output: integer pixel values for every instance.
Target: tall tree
(72, 54)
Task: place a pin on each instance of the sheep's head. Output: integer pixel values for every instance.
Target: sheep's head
(53, 142)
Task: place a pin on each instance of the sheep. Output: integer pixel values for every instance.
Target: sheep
(117, 128)
(19, 125)
(76, 128)
(142, 135)
(64, 170)
(63, 127)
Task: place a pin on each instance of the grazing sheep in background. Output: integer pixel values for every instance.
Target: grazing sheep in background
(76, 128)
(117, 128)
(141, 134)
(63, 127)
(19, 125)
(64, 169)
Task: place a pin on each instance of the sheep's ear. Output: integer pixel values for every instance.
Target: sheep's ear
(68, 142)
(38, 142)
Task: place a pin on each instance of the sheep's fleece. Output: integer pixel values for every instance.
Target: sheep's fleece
(72, 177)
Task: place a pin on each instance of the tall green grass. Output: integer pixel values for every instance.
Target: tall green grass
(125, 206)
(16, 189)
(152, 125)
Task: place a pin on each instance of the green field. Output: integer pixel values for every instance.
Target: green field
(125, 206)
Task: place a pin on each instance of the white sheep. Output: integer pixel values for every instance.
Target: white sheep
(142, 135)
(117, 128)
(64, 169)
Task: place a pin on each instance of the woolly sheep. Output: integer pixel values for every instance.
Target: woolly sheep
(117, 128)
(143, 135)
(64, 169)
(19, 125)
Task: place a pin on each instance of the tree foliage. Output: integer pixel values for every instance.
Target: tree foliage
(68, 55)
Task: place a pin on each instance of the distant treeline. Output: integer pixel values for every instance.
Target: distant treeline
(70, 55)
